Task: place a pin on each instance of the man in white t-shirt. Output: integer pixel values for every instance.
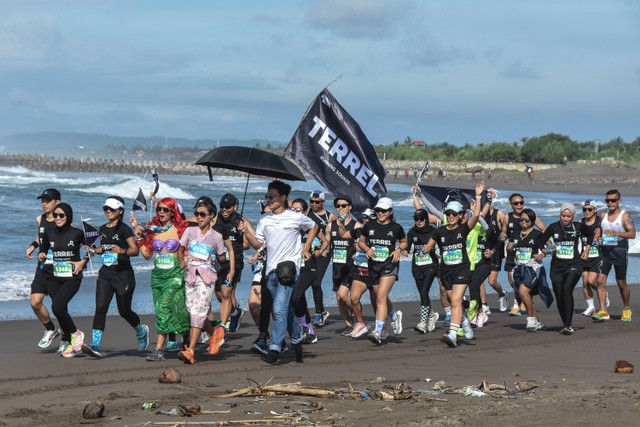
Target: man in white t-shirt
(280, 230)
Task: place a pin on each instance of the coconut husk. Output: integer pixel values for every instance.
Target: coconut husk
(623, 367)
(93, 410)
(170, 376)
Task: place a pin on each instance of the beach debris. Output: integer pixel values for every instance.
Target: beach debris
(473, 391)
(173, 411)
(170, 376)
(623, 367)
(378, 380)
(523, 386)
(190, 410)
(93, 410)
(153, 404)
(486, 386)
(440, 385)
(428, 380)
(289, 389)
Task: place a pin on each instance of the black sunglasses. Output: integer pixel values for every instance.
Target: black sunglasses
(59, 215)
(316, 202)
(524, 220)
(270, 196)
(343, 205)
(452, 213)
(108, 209)
(419, 218)
(226, 206)
(611, 200)
(588, 209)
(518, 203)
(163, 209)
(200, 214)
(380, 210)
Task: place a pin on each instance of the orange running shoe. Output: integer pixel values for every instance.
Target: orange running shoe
(187, 356)
(216, 341)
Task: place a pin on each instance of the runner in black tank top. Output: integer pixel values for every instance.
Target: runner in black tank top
(321, 217)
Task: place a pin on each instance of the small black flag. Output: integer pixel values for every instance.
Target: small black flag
(140, 203)
(91, 234)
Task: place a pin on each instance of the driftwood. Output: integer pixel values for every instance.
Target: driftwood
(280, 389)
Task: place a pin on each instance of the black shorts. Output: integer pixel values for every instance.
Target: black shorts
(458, 276)
(122, 282)
(604, 267)
(361, 274)
(422, 273)
(382, 269)
(222, 275)
(509, 265)
(39, 283)
(592, 265)
(342, 276)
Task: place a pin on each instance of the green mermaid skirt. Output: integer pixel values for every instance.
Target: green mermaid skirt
(167, 287)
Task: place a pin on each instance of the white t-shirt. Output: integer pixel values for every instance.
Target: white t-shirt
(281, 234)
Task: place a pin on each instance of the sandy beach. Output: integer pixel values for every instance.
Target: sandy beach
(574, 376)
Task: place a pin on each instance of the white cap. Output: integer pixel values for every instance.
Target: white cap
(113, 203)
(319, 194)
(384, 203)
(369, 212)
(455, 206)
(591, 203)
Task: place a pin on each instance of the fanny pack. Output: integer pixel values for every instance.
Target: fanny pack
(286, 272)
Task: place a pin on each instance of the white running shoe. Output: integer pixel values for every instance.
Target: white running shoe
(421, 327)
(504, 302)
(589, 311)
(204, 338)
(607, 303)
(467, 329)
(359, 329)
(48, 338)
(481, 319)
(486, 309)
(431, 321)
(531, 324)
(396, 325)
(63, 346)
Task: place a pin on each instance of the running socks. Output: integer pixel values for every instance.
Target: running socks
(424, 313)
(96, 335)
(393, 315)
(453, 328)
(379, 325)
(590, 303)
(49, 326)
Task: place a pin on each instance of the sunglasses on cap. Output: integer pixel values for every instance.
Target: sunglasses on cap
(518, 203)
(380, 210)
(59, 215)
(163, 209)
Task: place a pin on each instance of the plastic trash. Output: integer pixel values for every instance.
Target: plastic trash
(150, 405)
(473, 392)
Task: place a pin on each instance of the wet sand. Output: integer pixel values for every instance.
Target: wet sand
(576, 383)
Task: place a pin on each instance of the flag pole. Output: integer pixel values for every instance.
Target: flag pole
(84, 233)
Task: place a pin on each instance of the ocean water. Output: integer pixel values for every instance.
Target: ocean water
(86, 192)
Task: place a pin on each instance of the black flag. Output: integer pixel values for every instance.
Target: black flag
(440, 196)
(140, 203)
(91, 234)
(332, 148)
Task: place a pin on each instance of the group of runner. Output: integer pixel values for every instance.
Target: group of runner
(462, 244)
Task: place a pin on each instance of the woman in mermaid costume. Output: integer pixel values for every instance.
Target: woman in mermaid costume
(161, 240)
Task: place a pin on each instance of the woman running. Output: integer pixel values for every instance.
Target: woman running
(199, 246)
(116, 276)
(383, 240)
(590, 269)
(160, 240)
(64, 243)
(455, 266)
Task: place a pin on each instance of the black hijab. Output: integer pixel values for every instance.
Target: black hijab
(68, 212)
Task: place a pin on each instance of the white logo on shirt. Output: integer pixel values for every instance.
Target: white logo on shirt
(70, 243)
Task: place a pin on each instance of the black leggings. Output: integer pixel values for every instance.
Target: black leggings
(61, 292)
(564, 281)
(104, 294)
(424, 279)
(322, 263)
(478, 276)
(298, 299)
(266, 305)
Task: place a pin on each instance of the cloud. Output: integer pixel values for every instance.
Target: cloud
(27, 37)
(359, 19)
(516, 70)
(433, 54)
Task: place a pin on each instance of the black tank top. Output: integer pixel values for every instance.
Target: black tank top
(342, 250)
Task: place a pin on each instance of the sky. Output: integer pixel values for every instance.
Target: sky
(442, 71)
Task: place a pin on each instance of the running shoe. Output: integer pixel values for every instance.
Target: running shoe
(359, 329)
(204, 337)
(172, 346)
(271, 357)
(450, 340)
(63, 346)
(421, 327)
(515, 311)
(68, 352)
(626, 315)
(589, 311)
(320, 318)
(76, 340)
(216, 341)
(48, 338)
(234, 322)
(485, 309)
(384, 335)
(481, 319)
(227, 325)
(92, 350)
(601, 316)
(346, 331)
(284, 347)
(567, 331)
(531, 324)
(396, 325)
(187, 356)
(447, 317)
(259, 346)
(156, 356)
(467, 329)
(142, 335)
(607, 302)
(504, 302)
(310, 338)
(374, 337)
(523, 309)
(460, 333)
(471, 311)
(431, 321)
(539, 325)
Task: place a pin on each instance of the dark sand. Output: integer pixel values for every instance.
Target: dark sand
(574, 374)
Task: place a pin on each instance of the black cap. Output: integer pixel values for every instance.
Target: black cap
(50, 194)
(204, 200)
(420, 214)
(228, 200)
(341, 197)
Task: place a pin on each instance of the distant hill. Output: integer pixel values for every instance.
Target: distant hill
(75, 144)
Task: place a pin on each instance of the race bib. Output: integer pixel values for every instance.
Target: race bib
(109, 259)
(594, 252)
(316, 244)
(165, 261)
(339, 255)
(610, 240)
(361, 260)
(452, 256)
(564, 252)
(49, 259)
(523, 255)
(200, 250)
(422, 259)
(62, 269)
(381, 253)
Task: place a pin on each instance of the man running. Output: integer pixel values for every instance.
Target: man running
(50, 199)
(617, 228)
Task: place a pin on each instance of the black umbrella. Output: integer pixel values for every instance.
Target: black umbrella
(253, 161)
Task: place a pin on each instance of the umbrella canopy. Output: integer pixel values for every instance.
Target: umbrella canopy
(252, 161)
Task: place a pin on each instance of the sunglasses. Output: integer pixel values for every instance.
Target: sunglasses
(588, 209)
(611, 200)
(270, 196)
(108, 209)
(163, 209)
(316, 202)
(452, 213)
(380, 210)
(342, 206)
(59, 215)
(200, 214)
(518, 203)
(525, 220)
(227, 206)
(419, 219)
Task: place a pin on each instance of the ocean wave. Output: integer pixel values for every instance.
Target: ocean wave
(16, 285)
(127, 187)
